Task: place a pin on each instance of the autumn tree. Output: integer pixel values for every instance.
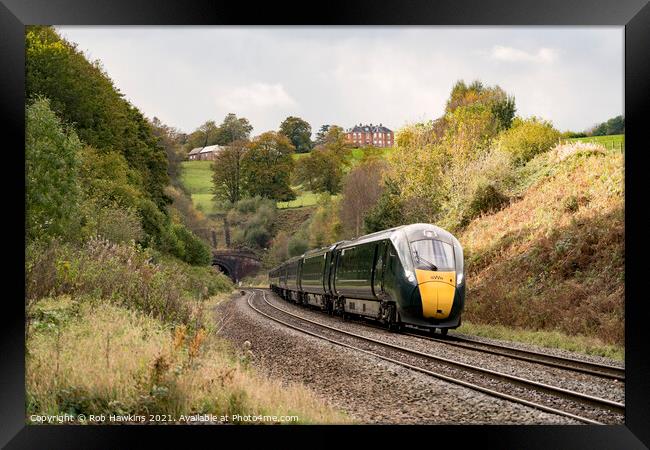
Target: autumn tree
(361, 190)
(227, 172)
(267, 166)
(299, 133)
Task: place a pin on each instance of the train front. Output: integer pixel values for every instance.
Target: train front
(438, 264)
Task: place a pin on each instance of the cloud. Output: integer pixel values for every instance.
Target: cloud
(511, 54)
(255, 96)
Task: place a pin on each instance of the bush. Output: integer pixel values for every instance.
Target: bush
(112, 222)
(487, 198)
(194, 250)
(252, 220)
(527, 138)
(124, 274)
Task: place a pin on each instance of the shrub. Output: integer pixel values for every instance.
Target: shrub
(486, 198)
(194, 250)
(125, 274)
(112, 222)
(527, 138)
(252, 220)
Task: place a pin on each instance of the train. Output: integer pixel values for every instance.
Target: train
(411, 275)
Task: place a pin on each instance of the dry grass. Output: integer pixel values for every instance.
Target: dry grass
(554, 260)
(97, 358)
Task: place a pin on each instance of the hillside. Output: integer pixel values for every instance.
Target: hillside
(554, 258)
(196, 176)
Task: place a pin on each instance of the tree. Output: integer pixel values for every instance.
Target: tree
(299, 133)
(267, 166)
(171, 140)
(227, 172)
(320, 136)
(204, 135)
(615, 125)
(328, 171)
(51, 161)
(81, 93)
(233, 129)
(361, 190)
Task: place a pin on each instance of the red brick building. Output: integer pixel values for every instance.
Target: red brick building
(370, 135)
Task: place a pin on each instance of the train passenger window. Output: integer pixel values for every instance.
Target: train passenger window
(431, 254)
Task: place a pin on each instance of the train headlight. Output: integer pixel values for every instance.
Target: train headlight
(410, 276)
(459, 279)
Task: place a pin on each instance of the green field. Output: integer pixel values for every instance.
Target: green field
(197, 178)
(612, 141)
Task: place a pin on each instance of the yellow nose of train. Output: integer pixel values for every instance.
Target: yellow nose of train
(437, 291)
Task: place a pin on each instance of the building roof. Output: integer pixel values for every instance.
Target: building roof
(369, 128)
(212, 148)
(208, 149)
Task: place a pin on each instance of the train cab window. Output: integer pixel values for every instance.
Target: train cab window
(431, 254)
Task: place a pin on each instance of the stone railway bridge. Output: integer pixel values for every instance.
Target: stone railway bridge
(236, 264)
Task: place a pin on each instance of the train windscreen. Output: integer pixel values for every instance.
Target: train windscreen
(431, 254)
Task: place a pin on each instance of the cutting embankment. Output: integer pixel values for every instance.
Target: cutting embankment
(554, 259)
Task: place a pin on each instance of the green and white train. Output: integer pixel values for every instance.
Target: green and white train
(408, 275)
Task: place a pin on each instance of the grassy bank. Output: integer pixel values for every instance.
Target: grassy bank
(553, 259)
(89, 357)
(551, 339)
(117, 329)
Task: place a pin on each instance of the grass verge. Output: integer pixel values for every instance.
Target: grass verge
(551, 339)
(89, 357)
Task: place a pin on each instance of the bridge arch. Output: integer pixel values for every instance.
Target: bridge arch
(236, 264)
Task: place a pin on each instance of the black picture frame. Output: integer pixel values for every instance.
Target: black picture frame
(634, 15)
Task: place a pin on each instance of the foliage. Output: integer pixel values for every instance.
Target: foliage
(361, 191)
(107, 178)
(124, 274)
(615, 125)
(227, 172)
(321, 171)
(51, 161)
(267, 166)
(388, 211)
(76, 364)
(233, 129)
(112, 222)
(191, 248)
(299, 133)
(206, 134)
(172, 140)
(82, 94)
(320, 135)
(527, 138)
(252, 221)
(562, 239)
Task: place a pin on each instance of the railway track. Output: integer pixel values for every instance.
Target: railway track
(530, 393)
(562, 362)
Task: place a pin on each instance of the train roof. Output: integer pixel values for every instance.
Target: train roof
(413, 232)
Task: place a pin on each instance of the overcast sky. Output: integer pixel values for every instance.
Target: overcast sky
(572, 76)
